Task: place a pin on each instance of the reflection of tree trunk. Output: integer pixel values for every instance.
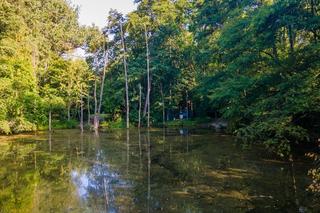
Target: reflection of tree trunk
(140, 150)
(149, 169)
(35, 160)
(81, 144)
(164, 138)
(170, 149)
(294, 183)
(139, 125)
(106, 194)
(188, 143)
(125, 76)
(128, 149)
(50, 120)
(50, 141)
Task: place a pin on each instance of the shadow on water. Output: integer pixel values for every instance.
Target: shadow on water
(161, 170)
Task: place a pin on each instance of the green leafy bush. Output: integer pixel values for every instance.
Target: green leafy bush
(5, 127)
(20, 125)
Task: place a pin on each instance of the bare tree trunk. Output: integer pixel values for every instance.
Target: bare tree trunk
(139, 125)
(148, 76)
(81, 114)
(97, 115)
(291, 39)
(187, 107)
(69, 108)
(163, 106)
(95, 118)
(145, 108)
(170, 100)
(50, 128)
(88, 106)
(126, 76)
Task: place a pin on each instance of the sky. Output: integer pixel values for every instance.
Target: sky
(96, 11)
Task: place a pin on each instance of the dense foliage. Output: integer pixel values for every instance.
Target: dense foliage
(253, 62)
(36, 76)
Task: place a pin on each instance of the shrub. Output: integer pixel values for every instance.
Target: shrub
(4, 127)
(19, 125)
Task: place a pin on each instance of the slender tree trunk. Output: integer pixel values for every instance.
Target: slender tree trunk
(163, 106)
(95, 118)
(145, 108)
(139, 125)
(170, 101)
(50, 128)
(88, 106)
(291, 39)
(81, 114)
(148, 76)
(69, 108)
(187, 107)
(126, 76)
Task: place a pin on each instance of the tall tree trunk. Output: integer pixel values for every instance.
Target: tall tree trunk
(50, 128)
(148, 75)
(69, 108)
(140, 93)
(95, 118)
(163, 106)
(88, 107)
(170, 101)
(187, 107)
(81, 114)
(291, 39)
(126, 76)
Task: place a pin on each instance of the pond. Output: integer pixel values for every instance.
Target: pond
(161, 170)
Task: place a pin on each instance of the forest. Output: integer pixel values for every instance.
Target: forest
(254, 63)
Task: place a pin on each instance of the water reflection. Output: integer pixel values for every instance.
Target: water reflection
(147, 171)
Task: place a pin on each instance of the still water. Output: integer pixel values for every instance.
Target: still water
(147, 171)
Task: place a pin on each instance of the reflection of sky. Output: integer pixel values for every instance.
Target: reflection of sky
(82, 183)
(98, 183)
